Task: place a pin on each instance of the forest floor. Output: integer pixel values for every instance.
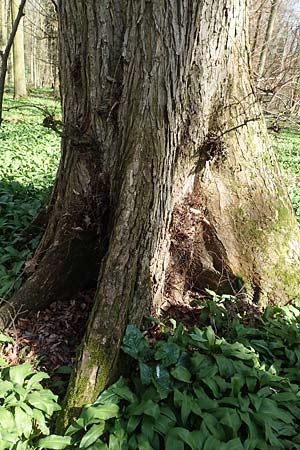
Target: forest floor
(28, 162)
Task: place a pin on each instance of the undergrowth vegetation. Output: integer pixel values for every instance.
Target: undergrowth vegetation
(223, 385)
(287, 145)
(196, 390)
(190, 388)
(28, 162)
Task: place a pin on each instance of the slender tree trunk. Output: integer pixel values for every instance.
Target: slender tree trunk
(18, 54)
(268, 36)
(5, 54)
(257, 30)
(160, 122)
(3, 25)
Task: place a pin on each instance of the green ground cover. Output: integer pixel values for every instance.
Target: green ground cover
(222, 385)
(192, 389)
(287, 146)
(28, 161)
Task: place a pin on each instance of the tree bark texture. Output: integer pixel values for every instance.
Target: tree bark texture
(160, 124)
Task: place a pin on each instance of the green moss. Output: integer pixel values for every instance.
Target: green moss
(283, 216)
(80, 390)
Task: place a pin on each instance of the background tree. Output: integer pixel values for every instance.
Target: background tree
(161, 126)
(5, 54)
(268, 36)
(40, 30)
(20, 90)
(275, 49)
(3, 24)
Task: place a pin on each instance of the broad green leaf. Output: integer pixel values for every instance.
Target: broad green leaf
(95, 414)
(25, 445)
(270, 408)
(284, 397)
(5, 386)
(198, 336)
(42, 401)
(23, 422)
(211, 338)
(40, 421)
(253, 430)
(234, 444)
(132, 423)
(204, 401)
(34, 380)
(168, 353)
(98, 445)
(151, 409)
(75, 427)
(213, 426)
(143, 443)
(145, 373)
(255, 400)
(238, 350)
(54, 442)
(186, 407)
(181, 374)
(172, 443)
(7, 421)
(17, 374)
(92, 435)
(134, 343)
(147, 407)
(213, 386)
(237, 382)
(124, 392)
(162, 382)
(225, 366)
(184, 435)
(165, 421)
(212, 443)
(116, 442)
(203, 366)
(26, 408)
(232, 420)
(147, 427)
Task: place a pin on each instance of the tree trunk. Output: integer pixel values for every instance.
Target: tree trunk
(160, 123)
(257, 30)
(3, 26)
(268, 36)
(18, 55)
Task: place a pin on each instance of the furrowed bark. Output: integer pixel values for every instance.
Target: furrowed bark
(159, 112)
(186, 127)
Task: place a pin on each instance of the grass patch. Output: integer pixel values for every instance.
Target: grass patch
(28, 163)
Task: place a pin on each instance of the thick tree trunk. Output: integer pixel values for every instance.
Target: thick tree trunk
(160, 120)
